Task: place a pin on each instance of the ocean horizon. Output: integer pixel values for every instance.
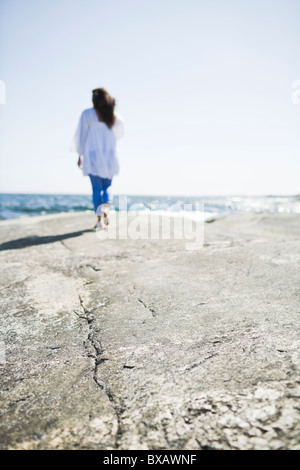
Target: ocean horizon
(15, 205)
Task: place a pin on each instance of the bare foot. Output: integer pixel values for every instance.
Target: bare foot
(106, 219)
(100, 225)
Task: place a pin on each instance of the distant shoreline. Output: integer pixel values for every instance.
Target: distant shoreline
(19, 205)
(159, 195)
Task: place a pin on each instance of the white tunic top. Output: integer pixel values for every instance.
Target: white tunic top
(97, 144)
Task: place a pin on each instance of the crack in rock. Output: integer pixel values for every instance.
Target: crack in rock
(150, 309)
(94, 268)
(200, 363)
(65, 245)
(98, 360)
(153, 313)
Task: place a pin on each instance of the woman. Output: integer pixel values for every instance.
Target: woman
(95, 142)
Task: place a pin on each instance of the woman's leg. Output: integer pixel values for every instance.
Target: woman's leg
(106, 198)
(97, 188)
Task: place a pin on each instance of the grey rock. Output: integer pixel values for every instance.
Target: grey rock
(141, 344)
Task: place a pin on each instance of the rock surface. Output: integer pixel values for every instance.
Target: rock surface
(141, 344)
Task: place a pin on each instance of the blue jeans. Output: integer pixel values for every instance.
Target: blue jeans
(101, 192)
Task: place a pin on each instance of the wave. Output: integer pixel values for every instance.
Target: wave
(18, 205)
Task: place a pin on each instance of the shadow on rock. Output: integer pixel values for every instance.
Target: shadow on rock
(36, 240)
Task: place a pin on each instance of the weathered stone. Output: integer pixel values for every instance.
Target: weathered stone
(140, 344)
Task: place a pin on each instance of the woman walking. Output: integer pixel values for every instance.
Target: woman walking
(95, 142)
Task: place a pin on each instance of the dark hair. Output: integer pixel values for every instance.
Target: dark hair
(104, 105)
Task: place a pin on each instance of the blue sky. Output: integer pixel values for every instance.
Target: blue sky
(204, 87)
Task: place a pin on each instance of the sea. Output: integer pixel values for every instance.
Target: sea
(28, 205)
